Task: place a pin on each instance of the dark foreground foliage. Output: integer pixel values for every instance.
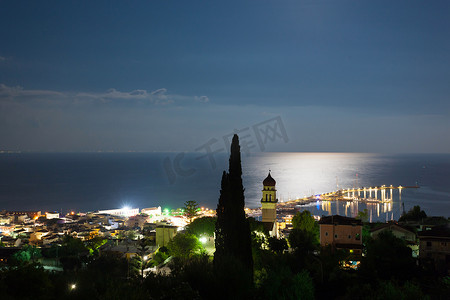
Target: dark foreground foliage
(296, 274)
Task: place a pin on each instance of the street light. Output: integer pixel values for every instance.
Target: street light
(72, 286)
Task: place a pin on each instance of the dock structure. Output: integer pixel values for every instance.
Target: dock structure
(363, 194)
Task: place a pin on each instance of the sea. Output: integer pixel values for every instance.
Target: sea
(85, 182)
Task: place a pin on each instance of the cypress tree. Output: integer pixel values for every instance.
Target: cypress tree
(233, 239)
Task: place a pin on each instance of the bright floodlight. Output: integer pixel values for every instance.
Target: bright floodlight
(203, 240)
(126, 208)
(145, 257)
(73, 286)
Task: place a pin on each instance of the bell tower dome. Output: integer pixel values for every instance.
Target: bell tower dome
(269, 200)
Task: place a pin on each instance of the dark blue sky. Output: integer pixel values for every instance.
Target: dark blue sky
(370, 76)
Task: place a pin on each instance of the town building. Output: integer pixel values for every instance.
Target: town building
(341, 233)
(137, 221)
(52, 215)
(30, 214)
(401, 232)
(269, 205)
(434, 248)
(121, 212)
(165, 233)
(152, 211)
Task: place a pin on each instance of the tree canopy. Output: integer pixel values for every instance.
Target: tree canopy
(190, 209)
(363, 215)
(277, 245)
(25, 255)
(388, 257)
(204, 226)
(184, 245)
(304, 221)
(414, 214)
(303, 241)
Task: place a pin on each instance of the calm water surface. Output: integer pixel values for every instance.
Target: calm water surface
(92, 181)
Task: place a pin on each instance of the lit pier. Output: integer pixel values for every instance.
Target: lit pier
(376, 194)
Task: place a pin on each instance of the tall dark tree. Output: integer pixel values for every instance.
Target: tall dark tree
(191, 210)
(233, 241)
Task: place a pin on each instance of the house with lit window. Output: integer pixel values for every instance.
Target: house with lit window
(434, 248)
(340, 232)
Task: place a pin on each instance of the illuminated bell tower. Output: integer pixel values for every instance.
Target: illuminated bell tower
(269, 200)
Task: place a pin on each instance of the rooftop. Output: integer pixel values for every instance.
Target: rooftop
(339, 220)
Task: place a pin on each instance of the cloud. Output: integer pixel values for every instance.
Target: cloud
(112, 96)
(158, 96)
(202, 99)
(18, 92)
(159, 92)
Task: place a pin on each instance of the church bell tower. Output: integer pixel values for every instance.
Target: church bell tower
(269, 200)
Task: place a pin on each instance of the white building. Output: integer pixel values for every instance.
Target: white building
(152, 211)
(52, 215)
(121, 212)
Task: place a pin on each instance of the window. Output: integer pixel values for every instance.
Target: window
(270, 197)
(326, 233)
(266, 197)
(357, 237)
(349, 236)
(335, 236)
(428, 244)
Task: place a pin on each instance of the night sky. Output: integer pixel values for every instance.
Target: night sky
(356, 76)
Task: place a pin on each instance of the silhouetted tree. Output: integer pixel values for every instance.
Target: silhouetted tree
(233, 240)
(388, 257)
(190, 210)
(414, 214)
(72, 253)
(303, 241)
(280, 283)
(385, 290)
(277, 245)
(29, 281)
